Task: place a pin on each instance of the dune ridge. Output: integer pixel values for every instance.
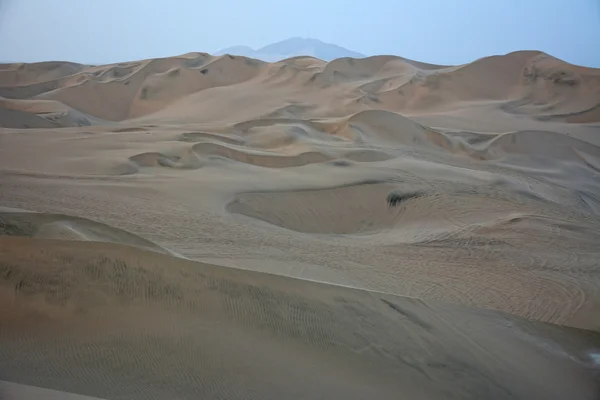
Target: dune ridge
(525, 82)
(64, 227)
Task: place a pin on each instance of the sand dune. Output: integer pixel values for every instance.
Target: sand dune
(64, 227)
(392, 129)
(16, 391)
(346, 210)
(42, 114)
(158, 327)
(440, 223)
(546, 144)
(527, 82)
(24, 74)
(200, 154)
(257, 158)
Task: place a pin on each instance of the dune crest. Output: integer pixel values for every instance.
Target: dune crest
(525, 83)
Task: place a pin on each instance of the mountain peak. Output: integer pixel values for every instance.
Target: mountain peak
(293, 47)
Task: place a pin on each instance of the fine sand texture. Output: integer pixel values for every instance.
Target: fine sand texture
(120, 323)
(222, 227)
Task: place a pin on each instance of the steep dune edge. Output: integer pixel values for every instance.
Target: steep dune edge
(65, 227)
(78, 312)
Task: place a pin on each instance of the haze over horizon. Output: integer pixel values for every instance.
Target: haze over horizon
(434, 31)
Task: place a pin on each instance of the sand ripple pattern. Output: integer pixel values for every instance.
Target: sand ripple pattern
(116, 322)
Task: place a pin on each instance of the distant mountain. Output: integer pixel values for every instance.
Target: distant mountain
(291, 48)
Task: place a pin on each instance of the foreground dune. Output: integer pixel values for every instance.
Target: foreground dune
(115, 322)
(353, 229)
(64, 227)
(17, 391)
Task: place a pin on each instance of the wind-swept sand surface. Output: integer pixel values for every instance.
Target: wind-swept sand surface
(116, 322)
(221, 227)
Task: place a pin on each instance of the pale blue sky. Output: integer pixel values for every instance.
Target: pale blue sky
(437, 31)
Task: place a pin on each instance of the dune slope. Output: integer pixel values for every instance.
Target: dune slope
(158, 327)
(64, 227)
(356, 228)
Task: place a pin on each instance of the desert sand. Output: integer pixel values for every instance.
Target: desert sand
(221, 227)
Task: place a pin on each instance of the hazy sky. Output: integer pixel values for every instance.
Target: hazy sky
(436, 31)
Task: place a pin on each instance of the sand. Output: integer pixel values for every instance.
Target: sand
(123, 323)
(222, 227)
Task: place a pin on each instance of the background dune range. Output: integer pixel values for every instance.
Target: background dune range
(352, 229)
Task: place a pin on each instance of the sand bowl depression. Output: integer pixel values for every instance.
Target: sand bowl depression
(343, 210)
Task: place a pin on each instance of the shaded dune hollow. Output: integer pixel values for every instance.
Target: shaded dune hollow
(363, 208)
(192, 158)
(156, 159)
(261, 159)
